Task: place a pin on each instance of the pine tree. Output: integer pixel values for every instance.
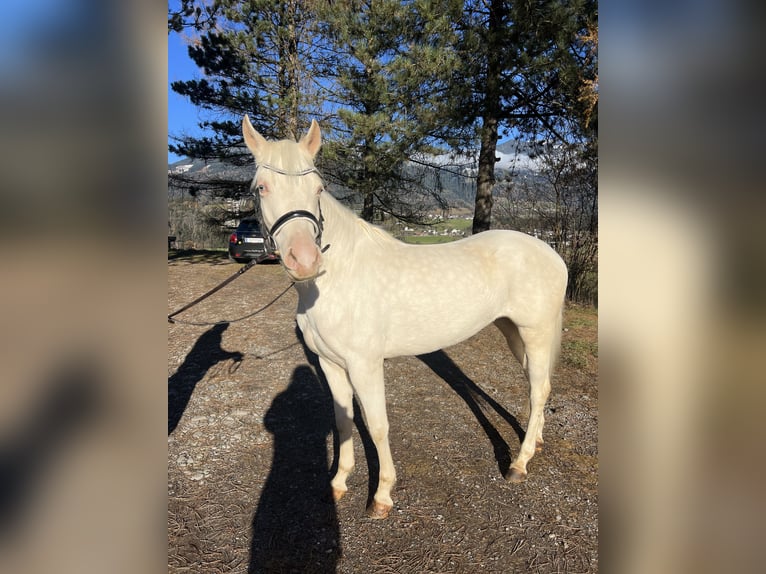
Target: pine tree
(254, 57)
(389, 81)
(519, 56)
(387, 66)
(374, 72)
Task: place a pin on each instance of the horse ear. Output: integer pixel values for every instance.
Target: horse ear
(255, 141)
(313, 139)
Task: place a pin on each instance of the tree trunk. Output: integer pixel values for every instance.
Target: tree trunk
(368, 179)
(368, 208)
(485, 180)
(289, 71)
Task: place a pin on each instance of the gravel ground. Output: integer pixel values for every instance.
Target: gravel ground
(251, 444)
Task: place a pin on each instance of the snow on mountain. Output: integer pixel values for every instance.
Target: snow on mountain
(514, 156)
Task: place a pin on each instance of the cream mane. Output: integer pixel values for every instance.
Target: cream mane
(351, 225)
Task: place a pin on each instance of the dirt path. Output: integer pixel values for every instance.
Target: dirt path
(251, 448)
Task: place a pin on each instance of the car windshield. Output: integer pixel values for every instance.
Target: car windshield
(249, 226)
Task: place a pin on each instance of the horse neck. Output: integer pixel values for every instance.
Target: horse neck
(338, 223)
(345, 231)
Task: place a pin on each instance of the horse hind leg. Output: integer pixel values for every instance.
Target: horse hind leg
(539, 388)
(511, 332)
(541, 351)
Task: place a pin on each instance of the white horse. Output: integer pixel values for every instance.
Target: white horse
(365, 296)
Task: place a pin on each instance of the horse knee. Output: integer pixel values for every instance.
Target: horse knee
(539, 392)
(379, 432)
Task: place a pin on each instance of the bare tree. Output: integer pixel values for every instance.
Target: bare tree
(561, 207)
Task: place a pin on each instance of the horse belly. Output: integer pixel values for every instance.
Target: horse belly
(431, 318)
(414, 336)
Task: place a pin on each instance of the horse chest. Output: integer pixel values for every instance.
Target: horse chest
(336, 329)
(319, 338)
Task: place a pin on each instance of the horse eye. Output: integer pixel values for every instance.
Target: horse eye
(320, 189)
(260, 188)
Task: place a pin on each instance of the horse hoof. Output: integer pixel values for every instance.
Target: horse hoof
(516, 476)
(378, 511)
(337, 494)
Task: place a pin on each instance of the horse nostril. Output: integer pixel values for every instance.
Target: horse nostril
(290, 260)
(301, 257)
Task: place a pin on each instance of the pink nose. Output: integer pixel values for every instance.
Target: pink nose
(302, 258)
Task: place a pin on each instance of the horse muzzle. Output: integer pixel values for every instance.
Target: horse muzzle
(302, 257)
(300, 251)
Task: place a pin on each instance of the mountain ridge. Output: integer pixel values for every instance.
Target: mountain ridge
(452, 175)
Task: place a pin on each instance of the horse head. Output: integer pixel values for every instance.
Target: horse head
(289, 187)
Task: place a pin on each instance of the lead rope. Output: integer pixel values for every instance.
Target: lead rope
(220, 286)
(297, 214)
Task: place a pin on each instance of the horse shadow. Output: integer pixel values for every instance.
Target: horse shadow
(477, 400)
(295, 527)
(205, 354)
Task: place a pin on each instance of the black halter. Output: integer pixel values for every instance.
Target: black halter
(297, 213)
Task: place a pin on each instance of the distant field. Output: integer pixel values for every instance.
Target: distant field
(416, 237)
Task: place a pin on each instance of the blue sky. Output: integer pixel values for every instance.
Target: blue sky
(182, 115)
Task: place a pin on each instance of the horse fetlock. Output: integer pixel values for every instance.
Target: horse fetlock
(339, 488)
(379, 510)
(338, 493)
(516, 475)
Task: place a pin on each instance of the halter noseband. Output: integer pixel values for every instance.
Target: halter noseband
(296, 213)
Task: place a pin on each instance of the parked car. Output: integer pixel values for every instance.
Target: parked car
(247, 242)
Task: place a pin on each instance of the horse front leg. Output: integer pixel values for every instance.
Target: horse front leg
(343, 401)
(367, 380)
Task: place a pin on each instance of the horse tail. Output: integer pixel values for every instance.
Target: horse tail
(556, 339)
